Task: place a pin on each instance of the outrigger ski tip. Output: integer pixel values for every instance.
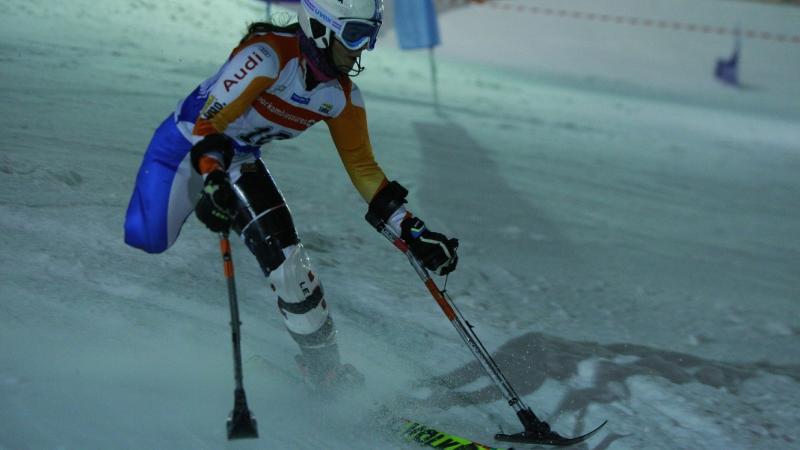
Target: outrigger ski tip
(539, 432)
(241, 424)
(550, 438)
(436, 438)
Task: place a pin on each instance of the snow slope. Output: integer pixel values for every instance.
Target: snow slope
(629, 233)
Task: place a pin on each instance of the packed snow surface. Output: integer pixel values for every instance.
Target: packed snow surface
(629, 227)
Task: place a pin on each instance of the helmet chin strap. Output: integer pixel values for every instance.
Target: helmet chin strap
(353, 70)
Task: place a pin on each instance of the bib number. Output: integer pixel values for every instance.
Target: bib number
(263, 135)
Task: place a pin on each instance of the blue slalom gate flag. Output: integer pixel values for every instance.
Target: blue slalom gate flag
(727, 70)
(416, 24)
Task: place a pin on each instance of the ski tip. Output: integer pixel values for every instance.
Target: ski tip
(427, 436)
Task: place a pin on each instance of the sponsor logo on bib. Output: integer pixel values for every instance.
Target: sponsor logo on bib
(300, 99)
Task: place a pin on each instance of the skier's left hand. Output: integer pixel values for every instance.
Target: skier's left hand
(434, 250)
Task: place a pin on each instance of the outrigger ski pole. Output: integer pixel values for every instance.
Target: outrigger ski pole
(535, 431)
(241, 424)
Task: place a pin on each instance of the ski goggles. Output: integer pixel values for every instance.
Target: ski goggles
(357, 33)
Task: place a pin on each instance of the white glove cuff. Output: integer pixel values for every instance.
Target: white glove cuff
(396, 219)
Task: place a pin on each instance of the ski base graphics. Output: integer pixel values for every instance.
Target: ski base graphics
(430, 437)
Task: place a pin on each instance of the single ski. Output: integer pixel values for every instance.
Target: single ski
(431, 437)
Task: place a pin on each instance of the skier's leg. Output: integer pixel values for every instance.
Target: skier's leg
(165, 191)
(266, 226)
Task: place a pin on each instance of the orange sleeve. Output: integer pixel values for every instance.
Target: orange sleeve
(350, 135)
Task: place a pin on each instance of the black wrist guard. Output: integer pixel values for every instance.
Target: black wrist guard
(385, 203)
(216, 142)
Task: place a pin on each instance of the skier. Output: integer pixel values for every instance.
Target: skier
(276, 83)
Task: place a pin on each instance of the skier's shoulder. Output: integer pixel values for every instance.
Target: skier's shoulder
(270, 42)
(262, 54)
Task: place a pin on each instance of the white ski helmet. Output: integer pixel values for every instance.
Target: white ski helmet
(354, 23)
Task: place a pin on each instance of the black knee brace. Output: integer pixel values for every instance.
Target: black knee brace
(267, 235)
(263, 219)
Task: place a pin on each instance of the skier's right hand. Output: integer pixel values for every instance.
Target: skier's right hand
(217, 204)
(434, 250)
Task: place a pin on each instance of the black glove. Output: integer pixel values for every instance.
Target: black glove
(216, 206)
(435, 251)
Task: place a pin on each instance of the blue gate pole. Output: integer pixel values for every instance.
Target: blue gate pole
(433, 80)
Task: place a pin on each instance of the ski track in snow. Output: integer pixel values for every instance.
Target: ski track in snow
(628, 235)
